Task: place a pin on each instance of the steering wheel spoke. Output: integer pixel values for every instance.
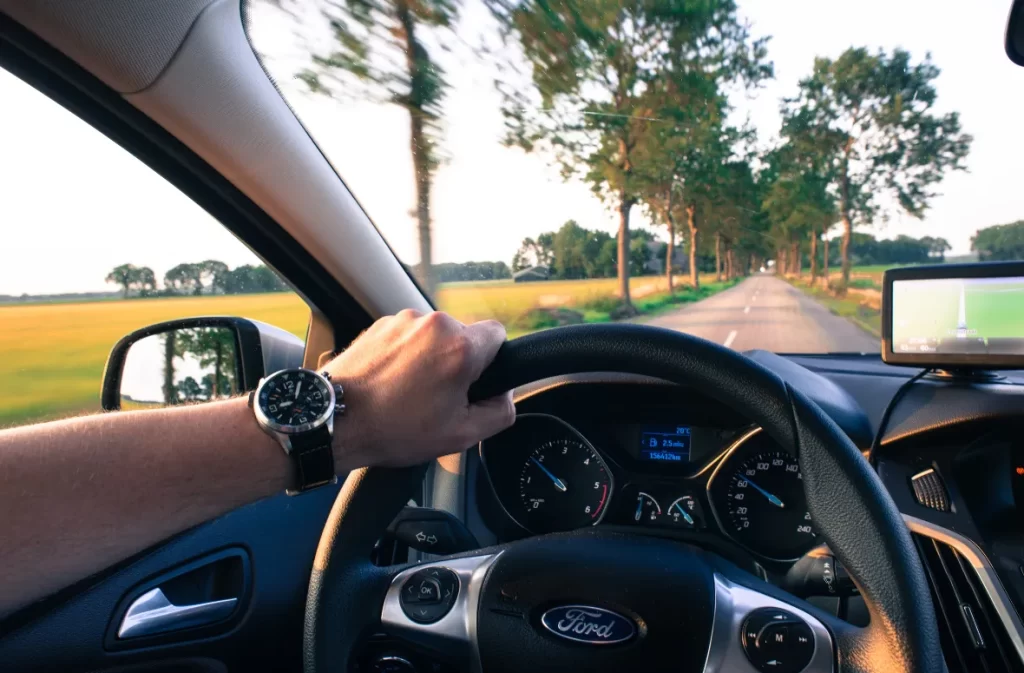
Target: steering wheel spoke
(435, 605)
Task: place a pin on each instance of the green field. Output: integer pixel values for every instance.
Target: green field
(54, 353)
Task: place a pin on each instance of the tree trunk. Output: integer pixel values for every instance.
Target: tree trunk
(780, 262)
(169, 390)
(795, 260)
(825, 269)
(421, 165)
(669, 252)
(421, 148)
(844, 209)
(691, 223)
(718, 257)
(625, 205)
(217, 366)
(814, 257)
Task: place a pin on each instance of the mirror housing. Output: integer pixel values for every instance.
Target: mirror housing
(1015, 33)
(195, 359)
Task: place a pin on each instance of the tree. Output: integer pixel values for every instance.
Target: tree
(214, 274)
(539, 252)
(146, 281)
(185, 279)
(594, 68)
(170, 390)
(869, 118)
(797, 204)
(368, 35)
(189, 390)
(124, 275)
(211, 347)
(937, 247)
(1003, 242)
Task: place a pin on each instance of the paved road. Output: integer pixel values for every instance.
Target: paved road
(765, 312)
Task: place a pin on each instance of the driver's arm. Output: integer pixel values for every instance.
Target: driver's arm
(79, 495)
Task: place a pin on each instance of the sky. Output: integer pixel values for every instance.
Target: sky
(72, 197)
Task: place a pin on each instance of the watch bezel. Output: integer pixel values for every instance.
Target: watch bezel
(268, 424)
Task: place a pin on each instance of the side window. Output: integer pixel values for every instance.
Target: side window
(93, 245)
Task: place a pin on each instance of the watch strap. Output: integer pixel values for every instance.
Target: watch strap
(313, 455)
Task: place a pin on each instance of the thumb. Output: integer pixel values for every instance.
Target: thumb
(489, 417)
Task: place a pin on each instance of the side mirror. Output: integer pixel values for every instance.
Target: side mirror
(1015, 33)
(193, 360)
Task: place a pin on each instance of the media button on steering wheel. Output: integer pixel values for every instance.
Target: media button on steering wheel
(429, 594)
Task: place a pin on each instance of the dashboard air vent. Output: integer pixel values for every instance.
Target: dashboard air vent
(974, 640)
(930, 491)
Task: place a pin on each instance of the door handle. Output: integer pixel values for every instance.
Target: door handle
(153, 613)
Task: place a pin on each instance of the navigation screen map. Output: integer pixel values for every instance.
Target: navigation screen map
(958, 316)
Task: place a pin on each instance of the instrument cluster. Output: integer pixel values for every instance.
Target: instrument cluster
(664, 477)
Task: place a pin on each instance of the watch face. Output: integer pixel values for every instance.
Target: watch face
(294, 398)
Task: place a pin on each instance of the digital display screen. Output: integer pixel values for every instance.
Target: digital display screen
(961, 316)
(665, 444)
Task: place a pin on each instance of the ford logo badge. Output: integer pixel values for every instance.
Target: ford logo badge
(587, 624)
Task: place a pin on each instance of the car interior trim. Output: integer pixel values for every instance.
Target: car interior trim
(458, 627)
(733, 602)
(985, 572)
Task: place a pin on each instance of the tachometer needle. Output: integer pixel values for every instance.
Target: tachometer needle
(686, 515)
(559, 484)
(771, 498)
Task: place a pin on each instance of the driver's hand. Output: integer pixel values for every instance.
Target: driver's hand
(406, 381)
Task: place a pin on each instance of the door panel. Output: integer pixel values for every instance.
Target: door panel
(280, 536)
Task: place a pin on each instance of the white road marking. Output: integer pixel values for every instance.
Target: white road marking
(746, 310)
(729, 339)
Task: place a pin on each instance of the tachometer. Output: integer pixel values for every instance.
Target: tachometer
(564, 484)
(766, 507)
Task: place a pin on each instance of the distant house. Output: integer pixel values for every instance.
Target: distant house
(531, 274)
(656, 263)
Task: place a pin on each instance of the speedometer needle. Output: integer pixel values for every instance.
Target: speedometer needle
(559, 484)
(771, 498)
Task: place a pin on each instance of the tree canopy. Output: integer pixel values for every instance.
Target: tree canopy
(868, 119)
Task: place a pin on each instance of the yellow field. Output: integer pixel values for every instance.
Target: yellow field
(53, 353)
(505, 301)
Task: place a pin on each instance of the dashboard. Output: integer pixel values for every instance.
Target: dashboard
(638, 456)
(665, 474)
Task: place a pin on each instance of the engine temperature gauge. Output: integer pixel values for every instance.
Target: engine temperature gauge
(647, 509)
(685, 512)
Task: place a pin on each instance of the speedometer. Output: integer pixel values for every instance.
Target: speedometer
(766, 506)
(564, 484)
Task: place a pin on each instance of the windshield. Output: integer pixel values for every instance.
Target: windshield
(741, 171)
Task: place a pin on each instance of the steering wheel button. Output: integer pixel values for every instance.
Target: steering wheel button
(429, 594)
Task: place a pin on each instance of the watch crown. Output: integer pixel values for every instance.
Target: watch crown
(326, 374)
(339, 409)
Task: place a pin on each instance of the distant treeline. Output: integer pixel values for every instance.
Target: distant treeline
(196, 279)
(1003, 242)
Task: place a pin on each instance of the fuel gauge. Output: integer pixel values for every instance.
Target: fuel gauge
(685, 512)
(647, 509)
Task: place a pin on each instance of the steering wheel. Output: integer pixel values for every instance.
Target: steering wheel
(651, 605)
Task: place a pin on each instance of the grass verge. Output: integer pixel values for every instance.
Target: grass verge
(858, 308)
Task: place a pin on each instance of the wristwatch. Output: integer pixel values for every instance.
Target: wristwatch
(297, 407)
